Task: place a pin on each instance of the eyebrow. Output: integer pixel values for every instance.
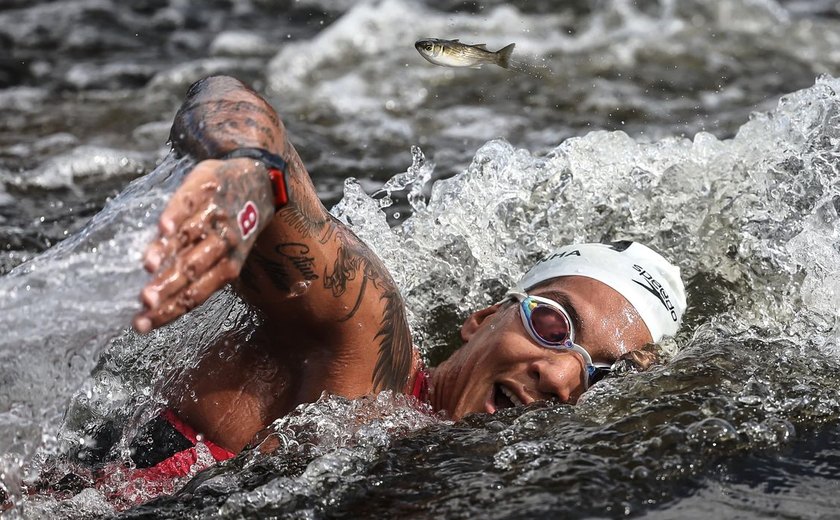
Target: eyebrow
(563, 299)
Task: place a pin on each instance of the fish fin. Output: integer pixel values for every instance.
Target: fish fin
(456, 40)
(504, 55)
(482, 46)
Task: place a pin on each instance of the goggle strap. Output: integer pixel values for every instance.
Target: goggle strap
(580, 350)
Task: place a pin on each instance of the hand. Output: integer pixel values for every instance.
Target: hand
(205, 234)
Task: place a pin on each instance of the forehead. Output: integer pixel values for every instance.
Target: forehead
(607, 320)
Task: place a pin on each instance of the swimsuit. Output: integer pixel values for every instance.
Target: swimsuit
(166, 448)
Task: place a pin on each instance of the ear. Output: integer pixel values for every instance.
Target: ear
(475, 320)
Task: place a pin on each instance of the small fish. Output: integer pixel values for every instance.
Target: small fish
(453, 53)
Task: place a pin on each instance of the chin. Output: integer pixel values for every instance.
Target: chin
(478, 402)
(461, 408)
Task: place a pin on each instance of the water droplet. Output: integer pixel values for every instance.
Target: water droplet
(299, 288)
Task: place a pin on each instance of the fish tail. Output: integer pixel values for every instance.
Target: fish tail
(504, 55)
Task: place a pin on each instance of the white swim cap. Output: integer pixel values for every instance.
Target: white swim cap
(650, 283)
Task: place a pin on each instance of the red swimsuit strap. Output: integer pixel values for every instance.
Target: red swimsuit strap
(158, 478)
(187, 431)
(421, 385)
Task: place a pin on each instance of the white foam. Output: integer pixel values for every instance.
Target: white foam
(694, 200)
(240, 43)
(85, 163)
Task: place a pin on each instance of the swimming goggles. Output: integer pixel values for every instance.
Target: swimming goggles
(550, 326)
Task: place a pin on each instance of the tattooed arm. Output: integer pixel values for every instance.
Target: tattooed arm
(319, 286)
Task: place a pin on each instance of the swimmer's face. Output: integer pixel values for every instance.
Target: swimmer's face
(500, 365)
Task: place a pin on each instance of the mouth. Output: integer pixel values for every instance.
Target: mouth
(502, 397)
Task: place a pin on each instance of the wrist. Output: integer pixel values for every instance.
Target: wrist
(276, 167)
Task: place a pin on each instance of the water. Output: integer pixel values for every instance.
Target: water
(707, 129)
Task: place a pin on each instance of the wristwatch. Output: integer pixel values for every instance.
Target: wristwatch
(277, 171)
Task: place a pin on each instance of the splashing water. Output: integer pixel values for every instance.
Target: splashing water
(750, 369)
(758, 210)
(60, 309)
(742, 417)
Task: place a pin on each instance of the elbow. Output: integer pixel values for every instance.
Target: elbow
(215, 86)
(221, 113)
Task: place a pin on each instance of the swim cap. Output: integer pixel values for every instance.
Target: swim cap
(650, 283)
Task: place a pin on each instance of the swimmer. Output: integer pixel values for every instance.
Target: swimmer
(334, 321)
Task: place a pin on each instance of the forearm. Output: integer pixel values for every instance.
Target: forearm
(306, 271)
(300, 243)
(221, 114)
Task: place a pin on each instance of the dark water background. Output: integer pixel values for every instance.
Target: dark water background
(717, 161)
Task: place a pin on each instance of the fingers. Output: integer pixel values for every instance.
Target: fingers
(209, 224)
(197, 189)
(189, 267)
(188, 297)
(191, 231)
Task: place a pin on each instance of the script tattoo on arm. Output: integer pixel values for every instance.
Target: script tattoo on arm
(300, 257)
(395, 350)
(276, 272)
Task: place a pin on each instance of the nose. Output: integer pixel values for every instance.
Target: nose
(559, 376)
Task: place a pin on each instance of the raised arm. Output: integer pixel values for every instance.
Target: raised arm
(319, 286)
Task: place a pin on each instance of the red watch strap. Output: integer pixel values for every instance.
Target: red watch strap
(278, 185)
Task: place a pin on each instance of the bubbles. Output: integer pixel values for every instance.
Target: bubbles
(317, 447)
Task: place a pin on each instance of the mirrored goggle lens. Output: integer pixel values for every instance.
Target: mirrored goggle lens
(550, 324)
